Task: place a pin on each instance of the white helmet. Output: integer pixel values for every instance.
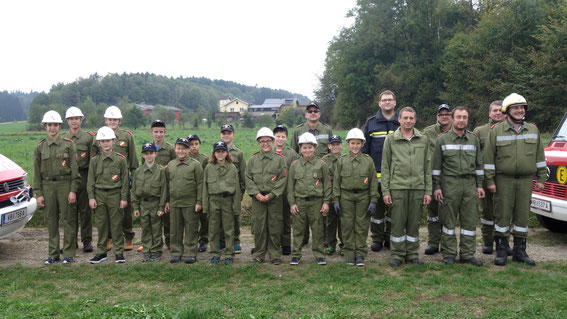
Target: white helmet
(105, 133)
(307, 138)
(51, 117)
(73, 111)
(264, 131)
(513, 100)
(112, 112)
(355, 133)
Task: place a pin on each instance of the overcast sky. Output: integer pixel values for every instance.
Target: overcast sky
(276, 44)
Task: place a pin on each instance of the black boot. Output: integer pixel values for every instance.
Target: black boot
(488, 247)
(520, 254)
(508, 248)
(501, 253)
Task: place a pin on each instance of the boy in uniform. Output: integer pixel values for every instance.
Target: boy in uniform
(56, 180)
(107, 187)
(83, 141)
(309, 193)
(265, 182)
(185, 177)
(194, 147)
(149, 194)
(333, 224)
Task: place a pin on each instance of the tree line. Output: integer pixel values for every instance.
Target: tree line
(460, 52)
(15, 105)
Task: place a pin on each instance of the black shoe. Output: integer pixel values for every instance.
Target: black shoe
(501, 251)
(294, 261)
(376, 246)
(202, 247)
(98, 259)
(68, 260)
(449, 260)
(520, 254)
(120, 259)
(431, 250)
(321, 261)
(87, 246)
(359, 260)
(215, 260)
(154, 257)
(394, 262)
(191, 260)
(275, 261)
(473, 261)
(50, 260)
(286, 250)
(488, 247)
(387, 244)
(175, 259)
(415, 261)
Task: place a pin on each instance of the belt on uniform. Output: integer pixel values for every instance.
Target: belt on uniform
(225, 194)
(309, 199)
(108, 189)
(57, 178)
(356, 191)
(150, 199)
(463, 176)
(517, 176)
(264, 193)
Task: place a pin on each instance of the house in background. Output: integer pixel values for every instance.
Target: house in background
(147, 109)
(273, 107)
(227, 104)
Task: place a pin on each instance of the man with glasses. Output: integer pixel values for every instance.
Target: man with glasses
(321, 131)
(443, 125)
(375, 131)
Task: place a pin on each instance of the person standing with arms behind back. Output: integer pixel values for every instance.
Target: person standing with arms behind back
(406, 185)
(375, 131)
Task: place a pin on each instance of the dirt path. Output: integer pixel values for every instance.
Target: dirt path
(29, 248)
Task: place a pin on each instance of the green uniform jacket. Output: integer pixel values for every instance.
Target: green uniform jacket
(482, 133)
(108, 172)
(432, 132)
(330, 160)
(201, 158)
(238, 161)
(83, 141)
(55, 161)
(322, 133)
(406, 164)
(219, 179)
(457, 156)
(289, 154)
(514, 154)
(165, 154)
(308, 179)
(149, 182)
(185, 182)
(123, 144)
(266, 173)
(355, 173)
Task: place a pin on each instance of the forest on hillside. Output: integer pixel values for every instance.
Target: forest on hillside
(460, 52)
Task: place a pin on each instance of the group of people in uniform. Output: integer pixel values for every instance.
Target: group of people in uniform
(307, 189)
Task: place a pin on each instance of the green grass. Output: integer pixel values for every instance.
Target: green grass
(265, 291)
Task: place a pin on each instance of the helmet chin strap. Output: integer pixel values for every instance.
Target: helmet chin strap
(515, 120)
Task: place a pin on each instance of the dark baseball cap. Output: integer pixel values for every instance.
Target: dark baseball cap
(335, 139)
(280, 128)
(182, 140)
(227, 127)
(158, 123)
(443, 107)
(220, 145)
(149, 147)
(193, 137)
(312, 104)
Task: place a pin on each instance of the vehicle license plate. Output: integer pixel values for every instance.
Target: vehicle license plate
(541, 204)
(14, 216)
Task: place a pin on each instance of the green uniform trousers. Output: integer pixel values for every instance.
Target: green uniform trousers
(333, 226)
(267, 228)
(406, 213)
(83, 210)
(309, 214)
(355, 222)
(459, 202)
(380, 223)
(236, 221)
(165, 221)
(221, 221)
(204, 228)
(433, 224)
(184, 231)
(151, 226)
(56, 196)
(127, 221)
(286, 231)
(512, 205)
(486, 208)
(108, 219)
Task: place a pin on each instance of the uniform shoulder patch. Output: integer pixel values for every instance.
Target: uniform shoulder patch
(293, 160)
(323, 159)
(129, 132)
(93, 155)
(279, 154)
(38, 142)
(492, 126)
(121, 155)
(534, 124)
(439, 134)
(92, 134)
(68, 140)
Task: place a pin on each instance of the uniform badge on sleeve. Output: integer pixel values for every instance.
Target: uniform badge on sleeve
(122, 144)
(317, 183)
(274, 179)
(83, 154)
(64, 163)
(114, 177)
(366, 180)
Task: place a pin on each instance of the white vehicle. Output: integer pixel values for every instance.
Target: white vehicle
(550, 204)
(17, 204)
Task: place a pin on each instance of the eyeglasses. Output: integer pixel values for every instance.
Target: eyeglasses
(387, 100)
(265, 141)
(444, 114)
(313, 111)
